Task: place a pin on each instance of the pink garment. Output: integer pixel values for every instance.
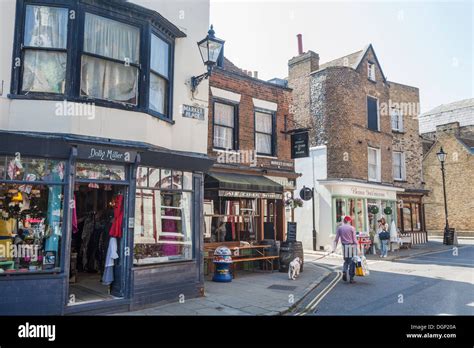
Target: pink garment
(169, 226)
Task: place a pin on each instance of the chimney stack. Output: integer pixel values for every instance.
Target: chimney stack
(255, 74)
(300, 44)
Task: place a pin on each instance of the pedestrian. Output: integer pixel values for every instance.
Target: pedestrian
(384, 236)
(347, 234)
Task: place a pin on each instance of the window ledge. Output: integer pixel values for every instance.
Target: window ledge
(398, 131)
(373, 81)
(95, 102)
(267, 156)
(400, 180)
(233, 152)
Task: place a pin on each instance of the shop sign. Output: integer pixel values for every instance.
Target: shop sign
(99, 153)
(306, 193)
(291, 232)
(243, 194)
(358, 191)
(299, 145)
(280, 164)
(192, 112)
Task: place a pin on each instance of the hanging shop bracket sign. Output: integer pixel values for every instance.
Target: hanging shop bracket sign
(104, 153)
(300, 145)
(243, 194)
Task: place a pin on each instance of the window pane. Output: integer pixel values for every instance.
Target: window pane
(154, 177)
(108, 80)
(166, 178)
(360, 215)
(142, 177)
(372, 156)
(31, 220)
(3, 167)
(223, 137)
(416, 217)
(407, 217)
(187, 181)
(46, 26)
(263, 122)
(177, 179)
(100, 171)
(372, 113)
(163, 230)
(224, 114)
(112, 39)
(44, 71)
(147, 221)
(159, 56)
(340, 209)
(264, 143)
(158, 94)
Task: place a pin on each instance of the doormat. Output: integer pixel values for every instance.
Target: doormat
(282, 287)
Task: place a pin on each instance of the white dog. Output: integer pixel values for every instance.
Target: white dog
(294, 268)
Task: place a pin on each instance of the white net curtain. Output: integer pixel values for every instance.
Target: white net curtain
(107, 79)
(45, 71)
(264, 130)
(223, 125)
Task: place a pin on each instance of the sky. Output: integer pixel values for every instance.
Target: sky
(426, 44)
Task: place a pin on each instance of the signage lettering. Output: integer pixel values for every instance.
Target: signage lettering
(242, 194)
(300, 145)
(193, 112)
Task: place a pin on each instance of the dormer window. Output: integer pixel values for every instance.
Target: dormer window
(371, 71)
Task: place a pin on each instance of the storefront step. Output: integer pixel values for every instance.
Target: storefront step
(104, 307)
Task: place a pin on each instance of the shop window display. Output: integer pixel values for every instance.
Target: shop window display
(163, 230)
(100, 171)
(30, 227)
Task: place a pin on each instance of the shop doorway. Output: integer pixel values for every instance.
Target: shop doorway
(98, 209)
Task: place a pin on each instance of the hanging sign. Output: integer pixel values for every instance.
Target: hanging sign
(103, 153)
(299, 145)
(306, 193)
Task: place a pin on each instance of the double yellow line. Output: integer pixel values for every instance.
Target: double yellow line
(315, 301)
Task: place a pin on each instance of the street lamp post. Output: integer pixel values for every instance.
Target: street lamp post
(210, 48)
(442, 158)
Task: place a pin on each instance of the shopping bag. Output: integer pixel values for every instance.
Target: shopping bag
(361, 267)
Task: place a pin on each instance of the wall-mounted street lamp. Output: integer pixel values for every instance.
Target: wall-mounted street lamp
(210, 48)
(442, 158)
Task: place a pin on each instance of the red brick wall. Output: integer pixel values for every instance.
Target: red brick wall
(250, 88)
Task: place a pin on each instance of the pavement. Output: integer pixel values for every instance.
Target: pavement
(272, 293)
(250, 293)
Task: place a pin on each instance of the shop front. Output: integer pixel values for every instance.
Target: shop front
(92, 226)
(364, 203)
(241, 207)
(411, 215)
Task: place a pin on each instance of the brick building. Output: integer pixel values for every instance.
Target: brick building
(254, 174)
(451, 127)
(366, 151)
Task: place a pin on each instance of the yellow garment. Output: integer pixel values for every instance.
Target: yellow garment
(7, 227)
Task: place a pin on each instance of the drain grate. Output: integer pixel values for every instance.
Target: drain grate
(282, 287)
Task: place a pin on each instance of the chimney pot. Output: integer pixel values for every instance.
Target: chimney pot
(255, 74)
(300, 44)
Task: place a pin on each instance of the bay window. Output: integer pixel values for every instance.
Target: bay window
(264, 134)
(88, 52)
(159, 75)
(110, 60)
(44, 49)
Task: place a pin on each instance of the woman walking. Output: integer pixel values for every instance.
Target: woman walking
(384, 237)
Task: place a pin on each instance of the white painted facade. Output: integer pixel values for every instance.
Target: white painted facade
(314, 174)
(191, 17)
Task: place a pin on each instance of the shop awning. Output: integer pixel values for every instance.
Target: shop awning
(241, 182)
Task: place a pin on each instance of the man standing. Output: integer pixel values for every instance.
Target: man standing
(347, 234)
